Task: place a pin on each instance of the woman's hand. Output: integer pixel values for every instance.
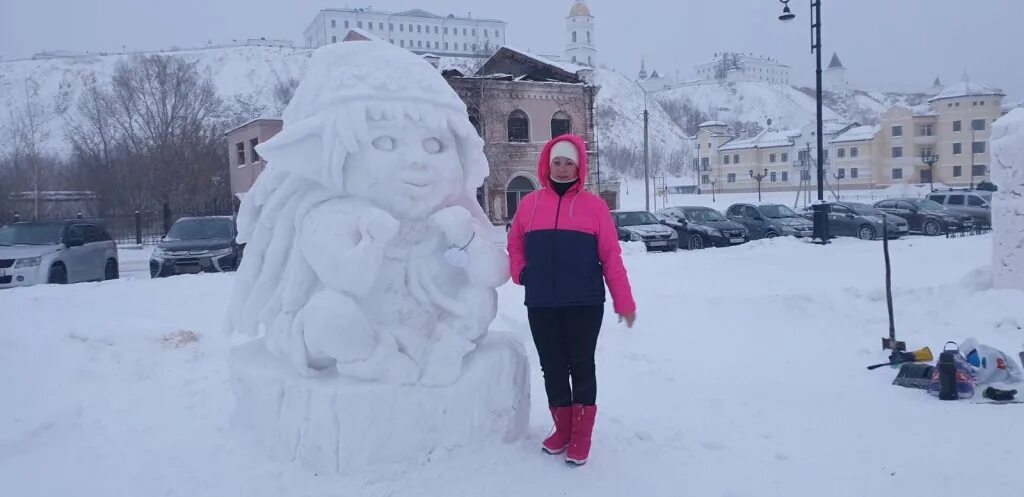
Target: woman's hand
(629, 318)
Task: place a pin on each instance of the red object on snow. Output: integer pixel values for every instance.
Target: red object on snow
(582, 428)
(557, 442)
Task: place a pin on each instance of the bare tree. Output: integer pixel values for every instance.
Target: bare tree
(27, 137)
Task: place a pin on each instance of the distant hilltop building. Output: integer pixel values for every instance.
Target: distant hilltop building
(729, 66)
(580, 46)
(834, 78)
(416, 30)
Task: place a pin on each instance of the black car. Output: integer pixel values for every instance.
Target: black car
(770, 221)
(926, 216)
(700, 227)
(642, 226)
(197, 245)
(861, 221)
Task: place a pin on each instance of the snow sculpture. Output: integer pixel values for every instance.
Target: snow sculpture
(1008, 202)
(369, 272)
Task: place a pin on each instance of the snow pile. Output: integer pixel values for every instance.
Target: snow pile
(368, 258)
(1008, 202)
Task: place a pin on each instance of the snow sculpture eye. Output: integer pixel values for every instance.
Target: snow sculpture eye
(432, 145)
(384, 143)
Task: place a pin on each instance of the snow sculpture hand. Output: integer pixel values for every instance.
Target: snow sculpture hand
(456, 223)
(378, 226)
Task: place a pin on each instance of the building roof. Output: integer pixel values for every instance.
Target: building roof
(764, 139)
(966, 89)
(410, 13)
(512, 61)
(860, 133)
(923, 110)
(579, 9)
(711, 123)
(835, 64)
(253, 121)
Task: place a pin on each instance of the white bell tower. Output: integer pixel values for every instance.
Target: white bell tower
(579, 27)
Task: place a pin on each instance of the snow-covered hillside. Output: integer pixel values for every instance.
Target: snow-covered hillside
(246, 74)
(865, 107)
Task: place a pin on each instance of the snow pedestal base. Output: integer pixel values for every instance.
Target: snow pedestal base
(340, 425)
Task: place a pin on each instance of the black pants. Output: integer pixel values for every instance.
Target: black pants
(566, 338)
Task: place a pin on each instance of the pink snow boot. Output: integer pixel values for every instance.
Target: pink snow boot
(582, 428)
(559, 440)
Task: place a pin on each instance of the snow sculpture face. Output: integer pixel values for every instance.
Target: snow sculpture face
(407, 168)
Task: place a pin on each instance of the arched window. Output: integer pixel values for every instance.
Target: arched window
(561, 124)
(574, 37)
(518, 127)
(588, 36)
(517, 189)
(474, 119)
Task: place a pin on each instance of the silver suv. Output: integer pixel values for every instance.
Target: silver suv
(975, 203)
(56, 252)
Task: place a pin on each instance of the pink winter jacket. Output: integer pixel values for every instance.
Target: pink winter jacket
(564, 249)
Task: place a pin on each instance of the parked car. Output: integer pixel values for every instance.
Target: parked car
(975, 203)
(926, 216)
(700, 227)
(197, 245)
(861, 221)
(642, 226)
(770, 221)
(56, 252)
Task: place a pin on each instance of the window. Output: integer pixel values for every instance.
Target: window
(841, 173)
(574, 37)
(446, 45)
(474, 31)
(825, 156)
(978, 124)
(955, 200)
(726, 159)
(705, 163)
(785, 176)
(854, 151)
(897, 173)
(925, 130)
(360, 24)
(897, 131)
(705, 179)
(805, 175)
(380, 26)
(773, 176)
(972, 201)
(937, 198)
(841, 209)
(465, 47)
(474, 47)
(402, 43)
(978, 147)
(785, 158)
(978, 170)
(252, 146)
(518, 127)
(560, 124)
(897, 152)
(370, 26)
(419, 28)
(497, 33)
(517, 189)
(588, 36)
(91, 234)
(401, 27)
(853, 173)
(334, 23)
(240, 153)
(803, 155)
(771, 157)
(926, 151)
(463, 31)
(420, 43)
(956, 126)
(958, 148)
(334, 39)
(926, 176)
(435, 30)
(731, 178)
(446, 30)
(437, 45)
(346, 25)
(958, 171)
(841, 153)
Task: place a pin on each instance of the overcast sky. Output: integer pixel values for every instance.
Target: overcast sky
(885, 44)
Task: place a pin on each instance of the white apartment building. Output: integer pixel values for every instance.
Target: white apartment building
(728, 66)
(416, 30)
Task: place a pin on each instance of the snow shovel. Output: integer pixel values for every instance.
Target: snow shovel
(920, 355)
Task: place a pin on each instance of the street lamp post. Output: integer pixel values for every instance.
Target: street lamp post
(821, 226)
(713, 183)
(929, 160)
(647, 188)
(758, 177)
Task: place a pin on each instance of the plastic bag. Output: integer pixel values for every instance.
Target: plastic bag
(991, 365)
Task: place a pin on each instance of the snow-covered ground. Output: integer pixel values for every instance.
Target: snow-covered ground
(744, 376)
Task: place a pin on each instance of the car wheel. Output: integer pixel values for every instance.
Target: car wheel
(695, 242)
(110, 272)
(58, 275)
(866, 233)
(771, 234)
(932, 228)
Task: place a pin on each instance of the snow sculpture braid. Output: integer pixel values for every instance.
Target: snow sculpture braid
(347, 227)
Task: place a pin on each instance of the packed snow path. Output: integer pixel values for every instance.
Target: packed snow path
(744, 376)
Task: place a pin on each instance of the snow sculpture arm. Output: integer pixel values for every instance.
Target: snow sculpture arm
(344, 241)
(487, 264)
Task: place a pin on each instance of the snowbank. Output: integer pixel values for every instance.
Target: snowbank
(1008, 202)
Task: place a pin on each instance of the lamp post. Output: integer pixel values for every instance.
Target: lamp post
(647, 188)
(758, 177)
(713, 183)
(929, 160)
(821, 230)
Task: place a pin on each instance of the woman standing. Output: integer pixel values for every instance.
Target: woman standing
(563, 247)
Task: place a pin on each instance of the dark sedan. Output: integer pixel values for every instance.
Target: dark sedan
(770, 221)
(926, 216)
(700, 227)
(861, 221)
(197, 245)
